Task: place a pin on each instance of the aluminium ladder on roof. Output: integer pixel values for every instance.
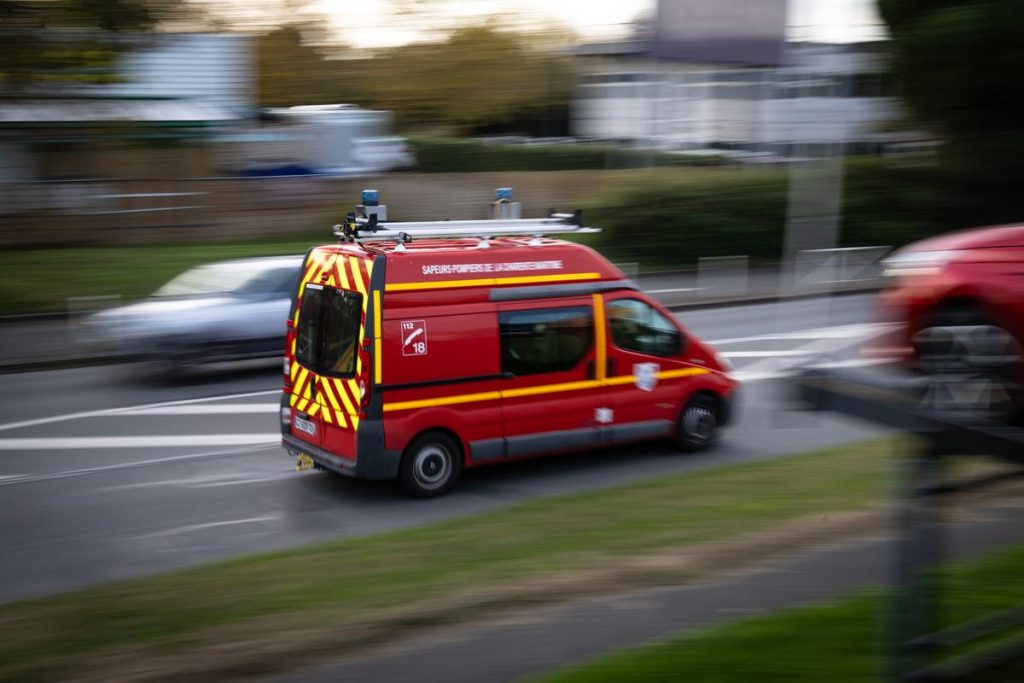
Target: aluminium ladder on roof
(366, 228)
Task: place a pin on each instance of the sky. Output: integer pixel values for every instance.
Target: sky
(373, 23)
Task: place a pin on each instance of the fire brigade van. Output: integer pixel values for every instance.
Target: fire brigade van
(415, 350)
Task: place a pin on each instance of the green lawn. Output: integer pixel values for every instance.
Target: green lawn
(321, 599)
(838, 641)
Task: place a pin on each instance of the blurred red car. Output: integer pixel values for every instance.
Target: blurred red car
(961, 299)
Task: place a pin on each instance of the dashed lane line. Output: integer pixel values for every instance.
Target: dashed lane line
(191, 528)
(127, 409)
(214, 409)
(68, 443)
(11, 479)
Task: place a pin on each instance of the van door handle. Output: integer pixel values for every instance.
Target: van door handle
(611, 367)
(590, 369)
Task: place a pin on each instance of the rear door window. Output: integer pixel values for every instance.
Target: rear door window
(339, 332)
(307, 334)
(327, 337)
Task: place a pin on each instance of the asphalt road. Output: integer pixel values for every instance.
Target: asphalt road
(106, 475)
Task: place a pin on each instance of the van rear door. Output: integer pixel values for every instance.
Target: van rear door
(306, 421)
(340, 368)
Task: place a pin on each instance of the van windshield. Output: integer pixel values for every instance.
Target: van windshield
(327, 337)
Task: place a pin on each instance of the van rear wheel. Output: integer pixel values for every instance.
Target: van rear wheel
(697, 426)
(430, 466)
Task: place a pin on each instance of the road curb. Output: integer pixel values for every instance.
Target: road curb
(771, 298)
(59, 363)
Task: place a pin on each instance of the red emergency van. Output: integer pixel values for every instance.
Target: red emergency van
(417, 350)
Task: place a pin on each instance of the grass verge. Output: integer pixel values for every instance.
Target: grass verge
(838, 641)
(276, 610)
(42, 280)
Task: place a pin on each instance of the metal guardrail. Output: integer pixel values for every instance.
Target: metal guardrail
(919, 650)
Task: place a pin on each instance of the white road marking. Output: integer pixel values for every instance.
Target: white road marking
(761, 354)
(749, 376)
(835, 332)
(116, 411)
(178, 530)
(673, 291)
(215, 409)
(85, 471)
(61, 443)
(290, 474)
(854, 363)
(209, 481)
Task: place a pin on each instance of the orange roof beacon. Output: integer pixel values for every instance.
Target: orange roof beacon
(415, 350)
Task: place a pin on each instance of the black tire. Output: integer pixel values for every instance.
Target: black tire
(697, 424)
(960, 347)
(430, 465)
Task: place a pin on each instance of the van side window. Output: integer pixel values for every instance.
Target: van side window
(545, 340)
(636, 326)
(327, 337)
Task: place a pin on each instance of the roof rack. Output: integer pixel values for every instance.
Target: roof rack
(368, 222)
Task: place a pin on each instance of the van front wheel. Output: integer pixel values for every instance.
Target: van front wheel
(430, 466)
(697, 425)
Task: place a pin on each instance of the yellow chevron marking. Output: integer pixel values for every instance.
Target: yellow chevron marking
(343, 395)
(357, 275)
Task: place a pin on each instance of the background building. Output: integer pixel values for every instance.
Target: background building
(735, 75)
(158, 90)
(820, 94)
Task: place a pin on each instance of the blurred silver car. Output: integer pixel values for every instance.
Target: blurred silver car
(228, 310)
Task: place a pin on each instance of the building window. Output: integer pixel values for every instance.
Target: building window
(545, 340)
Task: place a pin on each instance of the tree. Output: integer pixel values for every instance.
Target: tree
(39, 48)
(476, 77)
(291, 71)
(959, 64)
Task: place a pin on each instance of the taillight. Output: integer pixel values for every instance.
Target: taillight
(286, 363)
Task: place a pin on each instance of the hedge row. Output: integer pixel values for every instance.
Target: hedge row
(886, 201)
(454, 155)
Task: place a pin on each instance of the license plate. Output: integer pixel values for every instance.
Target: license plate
(305, 426)
(303, 462)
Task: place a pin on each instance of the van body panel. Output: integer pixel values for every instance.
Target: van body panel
(547, 411)
(523, 348)
(419, 347)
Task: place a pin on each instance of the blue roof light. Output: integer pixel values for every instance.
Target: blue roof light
(503, 193)
(371, 198)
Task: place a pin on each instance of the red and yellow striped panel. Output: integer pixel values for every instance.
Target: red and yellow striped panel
(337, 399)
